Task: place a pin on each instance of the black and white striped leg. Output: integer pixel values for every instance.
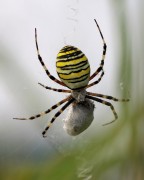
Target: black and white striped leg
(45, 112)
(107, 97)
(96, 82)
(42, 63)
(53, 89)
(103, 54)
(56, 115)
(107, 104)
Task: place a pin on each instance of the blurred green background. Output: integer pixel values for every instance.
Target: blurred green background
(113, 152)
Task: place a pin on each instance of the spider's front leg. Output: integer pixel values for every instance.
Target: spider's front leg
(56, 115)
(107, 104)
(47, 111)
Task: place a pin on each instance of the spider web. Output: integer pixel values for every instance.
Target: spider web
(72, 13)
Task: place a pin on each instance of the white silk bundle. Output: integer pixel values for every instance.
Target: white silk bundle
(79, 117)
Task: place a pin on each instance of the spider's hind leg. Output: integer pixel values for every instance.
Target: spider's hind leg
(43, 65)
(103, 54)
(97, 81)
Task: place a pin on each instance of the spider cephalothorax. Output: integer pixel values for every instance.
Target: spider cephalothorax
(74, 72)
(80, 114)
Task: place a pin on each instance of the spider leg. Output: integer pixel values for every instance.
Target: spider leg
(44, 66)
(103, 54)
(107, 97)
(97, 81)
(56, 115)
(57, 90)
(107, 104)
(45, 112)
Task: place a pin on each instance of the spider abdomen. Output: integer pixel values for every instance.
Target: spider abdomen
(79, 118)
(73, 67)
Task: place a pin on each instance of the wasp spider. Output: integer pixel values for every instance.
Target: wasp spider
(73, 70)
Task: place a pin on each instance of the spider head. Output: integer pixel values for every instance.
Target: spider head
(79, 95)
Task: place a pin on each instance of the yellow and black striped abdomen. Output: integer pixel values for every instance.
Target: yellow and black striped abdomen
(73, 67)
